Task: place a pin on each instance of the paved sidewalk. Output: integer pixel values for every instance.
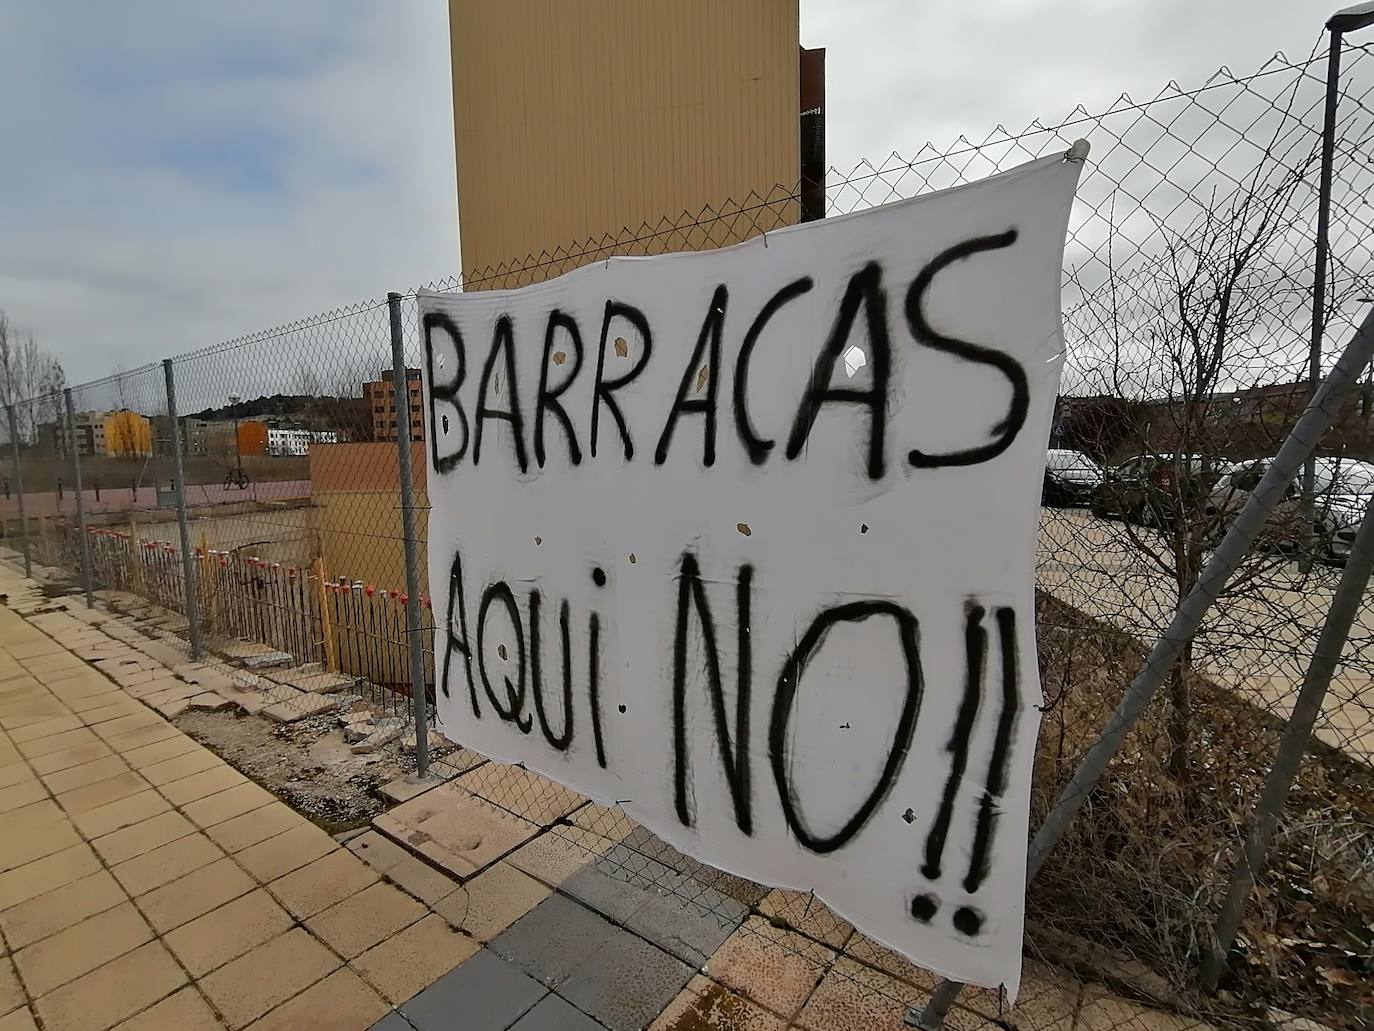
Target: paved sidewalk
(145, 884)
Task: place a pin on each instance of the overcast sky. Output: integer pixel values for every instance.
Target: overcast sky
(173, 175)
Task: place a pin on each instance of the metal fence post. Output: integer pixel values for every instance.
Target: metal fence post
(1315, 420)
(80, 503)
(188, 564)
(19, 490)
(1345, 606)
(417, 661)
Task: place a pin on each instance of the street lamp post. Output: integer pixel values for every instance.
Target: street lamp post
(1351, 19)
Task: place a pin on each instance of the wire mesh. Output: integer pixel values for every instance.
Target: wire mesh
(1187, 293)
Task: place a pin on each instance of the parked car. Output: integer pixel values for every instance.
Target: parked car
(1155, 490)
(1341, 489)
(1070, 478)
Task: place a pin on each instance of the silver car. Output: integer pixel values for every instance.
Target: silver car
(1341, 489)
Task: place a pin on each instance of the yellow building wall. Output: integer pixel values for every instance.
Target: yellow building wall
(128, 434)
(575, 118)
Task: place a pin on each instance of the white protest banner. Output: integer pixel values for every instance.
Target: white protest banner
(745, 540)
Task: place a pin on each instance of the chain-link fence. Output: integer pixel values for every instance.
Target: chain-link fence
(1187, 294)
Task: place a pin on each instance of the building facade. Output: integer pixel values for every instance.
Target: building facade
(380, 400)
(117, 434)
(194, 434)
(575, 119)
(286, 441)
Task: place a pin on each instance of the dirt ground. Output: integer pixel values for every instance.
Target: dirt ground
(306, 764)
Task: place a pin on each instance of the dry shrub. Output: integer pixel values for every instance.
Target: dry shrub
(1143, 866)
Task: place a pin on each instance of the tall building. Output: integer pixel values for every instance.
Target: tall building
(117, 434)
(380, 399)
(576, 118)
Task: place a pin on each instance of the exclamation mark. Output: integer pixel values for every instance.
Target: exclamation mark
(968, 919)
(925, 906)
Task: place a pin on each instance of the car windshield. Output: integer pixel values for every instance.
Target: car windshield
(1344, 476)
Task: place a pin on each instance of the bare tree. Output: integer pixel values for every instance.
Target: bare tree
(307, 381)
(30, 379)
(1181, 331)
(350, 375)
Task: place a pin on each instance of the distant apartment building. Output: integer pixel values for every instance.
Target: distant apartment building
(195, 435)
(380, 398)
(284, 441)
(118, 434)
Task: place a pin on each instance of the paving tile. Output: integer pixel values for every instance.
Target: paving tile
(253, 984)
(228, 932)
(803, 912)
(92, 702)
(19, 1020)
(111, 789)
(691, 928)
(21, 821)
(125, 724)
(160, 751)
(225, 805)
(416, 877)
(416, 957)
(112, 710)
(377, 850)
(556, 855)
(244, 831)
(341, 1002)
(81, 948)
(198, 785)
(490, 993)
(393, 1021)
(551, 940)
(455, 829)
(1048, 1001)
(62, 907)
(492, 901)
(11, 991)
(353, 926)
(69, 757)
(290, 850)
(317, 886)
(626, 982)
(178, 767)
(17, 773)
(704, 1004)
(172, 694)
(1103, 1012)
(20, 795)
(133, 841)
(57, 743)
(136, 739)
(166, 863)
(854, 997)
(45, 728)
(114, 992)
(770, 966)
(35, 843)
(552, 1013)
(184, 1011)
(87, 773)
(615, 898)
(195, 895)
(536, 798)
(43, 875)
(126, 812)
